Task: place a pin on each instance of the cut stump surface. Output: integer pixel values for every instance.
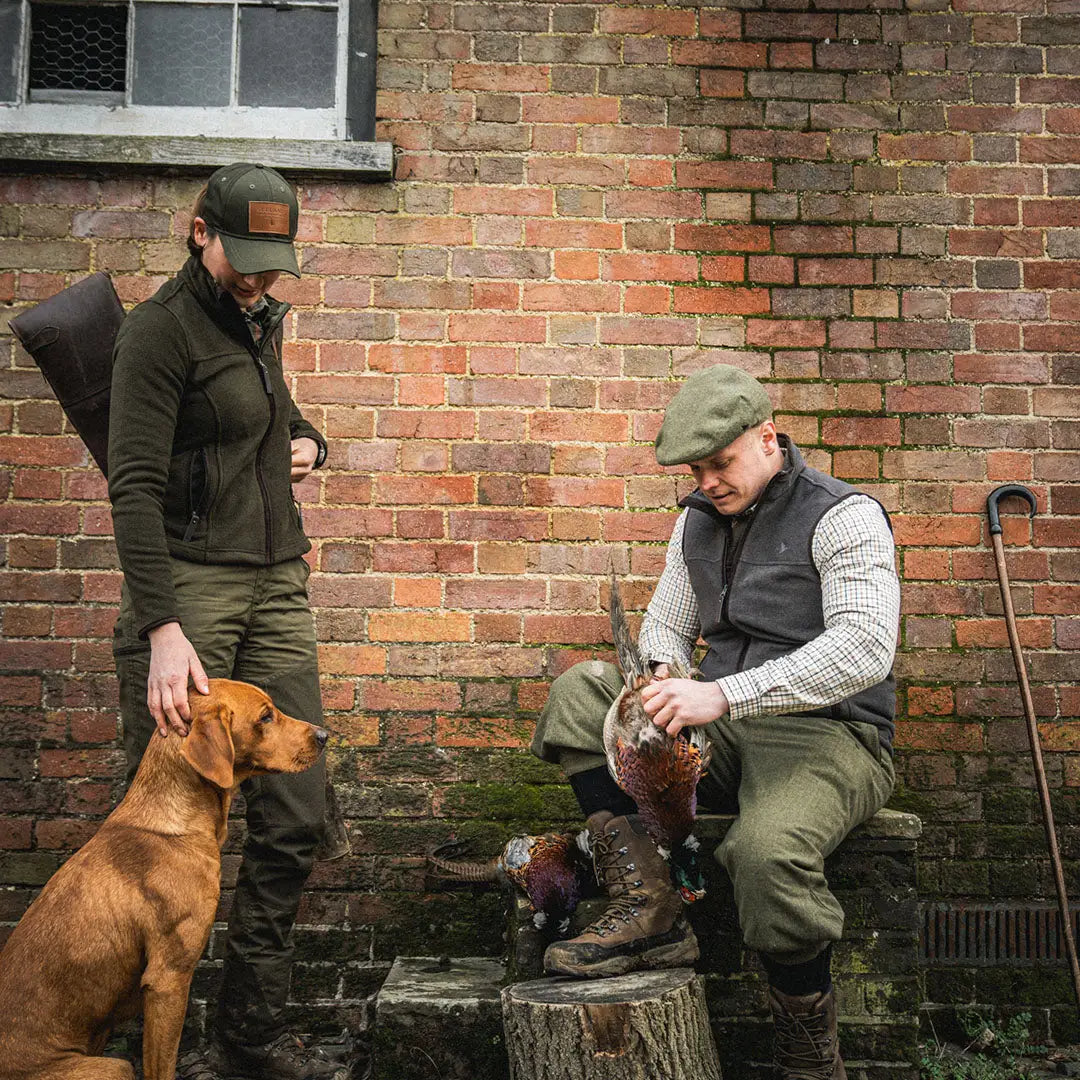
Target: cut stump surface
(634, 1027)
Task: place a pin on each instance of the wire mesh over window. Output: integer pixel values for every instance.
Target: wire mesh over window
(10, 21)
(183, 54)
(287, 57)
(78, 47)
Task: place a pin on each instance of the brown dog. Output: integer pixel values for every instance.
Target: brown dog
(121, 925)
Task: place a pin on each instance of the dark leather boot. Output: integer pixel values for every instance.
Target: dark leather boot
(807, 1047)
(644, 926)
(285, 1058)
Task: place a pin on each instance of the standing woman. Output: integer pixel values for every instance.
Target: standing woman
(204, 445)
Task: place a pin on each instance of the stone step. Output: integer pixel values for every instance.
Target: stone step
(441, 1019)
(438, 1018)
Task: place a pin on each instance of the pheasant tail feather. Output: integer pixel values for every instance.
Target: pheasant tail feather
(626, 650)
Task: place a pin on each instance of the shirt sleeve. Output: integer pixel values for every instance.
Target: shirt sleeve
(671, 626)
(855, 556)
(149, 373)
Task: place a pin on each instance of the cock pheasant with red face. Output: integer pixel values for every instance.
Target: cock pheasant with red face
(553, 870)
(658, 772)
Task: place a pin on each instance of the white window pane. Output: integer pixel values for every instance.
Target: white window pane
(287, 57)
(183, 54)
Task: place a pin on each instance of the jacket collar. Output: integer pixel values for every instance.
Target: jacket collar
(792, 467)
(220, 306)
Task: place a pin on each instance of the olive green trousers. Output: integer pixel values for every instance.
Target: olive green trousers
(251, 623)
(798, 785)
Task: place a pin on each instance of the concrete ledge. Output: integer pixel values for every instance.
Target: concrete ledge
(365, 160)
(884, 825)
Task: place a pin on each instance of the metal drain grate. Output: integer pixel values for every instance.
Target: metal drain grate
(987, 934)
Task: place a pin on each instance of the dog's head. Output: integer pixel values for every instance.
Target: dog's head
(237, 732)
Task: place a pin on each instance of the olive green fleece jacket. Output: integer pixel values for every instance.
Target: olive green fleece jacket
(200, 426)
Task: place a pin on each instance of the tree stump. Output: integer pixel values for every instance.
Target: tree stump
(635, 1027)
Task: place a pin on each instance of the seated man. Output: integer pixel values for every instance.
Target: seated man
(788, 575)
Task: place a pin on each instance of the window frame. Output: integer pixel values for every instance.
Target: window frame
(341, 140)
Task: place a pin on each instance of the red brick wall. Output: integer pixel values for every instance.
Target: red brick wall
(874, 210)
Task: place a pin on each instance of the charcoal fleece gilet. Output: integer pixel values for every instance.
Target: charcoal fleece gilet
(758, 591)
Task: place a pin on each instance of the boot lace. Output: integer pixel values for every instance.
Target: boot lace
(613, 872)
(804, 1049)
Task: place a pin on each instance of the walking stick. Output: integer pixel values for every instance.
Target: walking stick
(1029, 712)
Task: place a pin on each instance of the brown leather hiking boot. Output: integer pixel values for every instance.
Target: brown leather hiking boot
(644, 926)
(807, 1047)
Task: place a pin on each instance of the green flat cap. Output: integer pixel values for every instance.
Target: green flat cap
(712, 408)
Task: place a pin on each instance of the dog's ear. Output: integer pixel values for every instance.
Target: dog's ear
(208, 747)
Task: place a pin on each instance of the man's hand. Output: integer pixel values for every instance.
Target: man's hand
(172, 661)
(661, 672)
(305, 452)
(677, 703)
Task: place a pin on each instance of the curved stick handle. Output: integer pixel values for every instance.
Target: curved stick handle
(1004, 492)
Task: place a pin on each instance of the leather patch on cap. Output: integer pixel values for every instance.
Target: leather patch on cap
(268, 217)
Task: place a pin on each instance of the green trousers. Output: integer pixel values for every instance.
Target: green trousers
(798, 784)
(254, 624)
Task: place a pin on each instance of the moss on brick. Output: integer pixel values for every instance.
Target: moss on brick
(511, 802)
(510, 766)
(447, 923)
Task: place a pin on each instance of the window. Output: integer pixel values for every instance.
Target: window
(301, 69)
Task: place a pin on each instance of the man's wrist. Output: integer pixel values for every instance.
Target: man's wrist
(725, 705)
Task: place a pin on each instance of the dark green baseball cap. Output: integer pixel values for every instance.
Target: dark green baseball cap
(712, 408)
(254, 211)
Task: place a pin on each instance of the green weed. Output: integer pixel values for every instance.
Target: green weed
(992, 1053)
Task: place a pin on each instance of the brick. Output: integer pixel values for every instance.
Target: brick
(573, 234)
(647, 21)
(923, 399)
(44, 255)
(569, 109)
(785, 332)
(939, 735)
(418, 626)
(748, 175)
(949, 148)
(812, 240)
(528, 202)
(722, 238)
(593, 171)
(652, 204)
(504, 78)
(862, 432)
(578, 427)
(464, 327)
(443, 232)
(721, 301)
(836, 272)
(550, 297)
(639, 331)
(658, 267)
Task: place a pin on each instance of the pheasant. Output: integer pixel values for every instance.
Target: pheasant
(658, 772)
(553, 871)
